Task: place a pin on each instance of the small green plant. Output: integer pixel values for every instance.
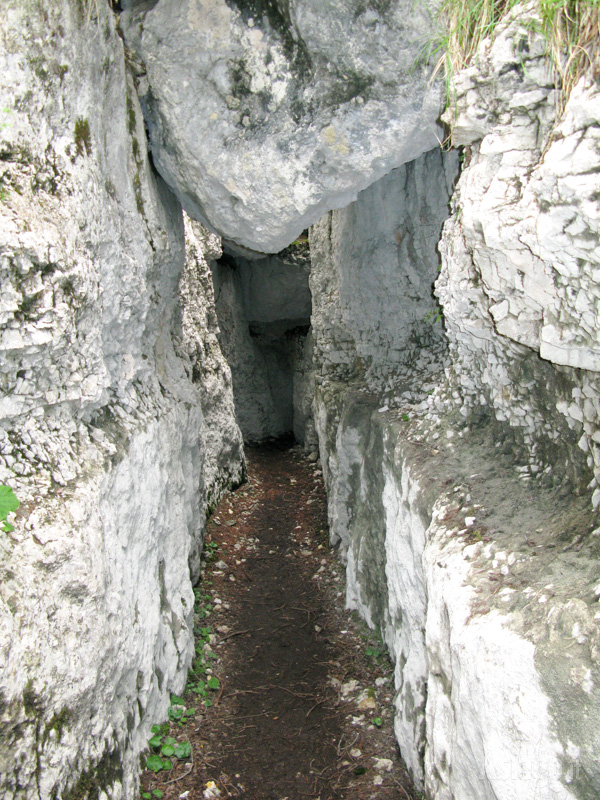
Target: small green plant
(205, 633)
(373, 652)
(176, 713)
(8, 504)
(200, 681)
(83, 137)
(154, 793)
(165, 746)
(377, 721)
(210, 549)
(4, 111)
(433, 316)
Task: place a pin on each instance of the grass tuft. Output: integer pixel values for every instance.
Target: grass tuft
(572, 32)
(571, 29)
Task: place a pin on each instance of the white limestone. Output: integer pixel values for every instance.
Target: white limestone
(520, 257)
(492, 634)
(116, 413)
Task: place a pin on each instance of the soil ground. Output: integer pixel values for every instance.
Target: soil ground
(301, 697)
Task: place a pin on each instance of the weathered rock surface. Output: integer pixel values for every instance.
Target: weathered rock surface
(116, 413)
(486, 594)
(521, 260)
(375, 264)
(275, 289)
(478, 573)
(462, 467)
(264, 115)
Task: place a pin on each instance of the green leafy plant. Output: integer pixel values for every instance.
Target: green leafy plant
(166, 747)
(177, 701)
(377, 721)
(210, 551)
(8, 504)
(156, 763)
(175, 713)
(433, 316)
(183, 750)
(154, 793)
(200, 681)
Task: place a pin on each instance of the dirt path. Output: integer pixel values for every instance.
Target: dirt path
(292, 695)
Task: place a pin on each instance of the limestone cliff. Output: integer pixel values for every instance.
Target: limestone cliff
(463, 488)
(117, 424)
(452, 366)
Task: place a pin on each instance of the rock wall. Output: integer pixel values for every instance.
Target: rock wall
(461, 481)
(519, 283)
(459, 436)
(374, 314)
(116, 413)
(483, 593)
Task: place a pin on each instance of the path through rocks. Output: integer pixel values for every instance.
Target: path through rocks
(292, 695)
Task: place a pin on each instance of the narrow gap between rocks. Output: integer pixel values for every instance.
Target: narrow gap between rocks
(264, 308)
(292, 694)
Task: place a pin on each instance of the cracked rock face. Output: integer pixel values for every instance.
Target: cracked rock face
(521, 261)
(264, 115)
(117, 425)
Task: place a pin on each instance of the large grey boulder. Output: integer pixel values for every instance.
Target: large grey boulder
(265, 115)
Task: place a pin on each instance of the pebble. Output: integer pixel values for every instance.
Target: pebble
(211, 791)
(367, 704)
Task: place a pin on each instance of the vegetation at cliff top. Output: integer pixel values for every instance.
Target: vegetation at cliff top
(571, 29)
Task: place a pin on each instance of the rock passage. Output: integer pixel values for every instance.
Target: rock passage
(302, 709)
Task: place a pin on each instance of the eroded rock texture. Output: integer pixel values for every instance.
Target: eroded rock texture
(264, 115)
(521, 256)
(461, 483)
(117, 424)
(374, 267)
(461, 455)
